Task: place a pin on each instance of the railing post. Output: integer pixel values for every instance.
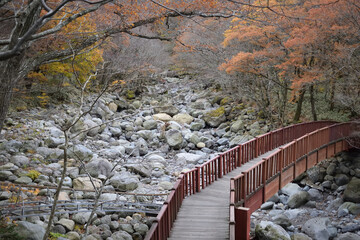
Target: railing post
(198, 178)
(264, 176)
(239, 156)
(242, 223)
(281, 157)
(244, 190)
(220, 166)
(256, 147)
(295, 153)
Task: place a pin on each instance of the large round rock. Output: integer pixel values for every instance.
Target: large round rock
(30, 231)
(317, 228)
(174, 138)
(352, 191)
(271, 231)
(124, 182)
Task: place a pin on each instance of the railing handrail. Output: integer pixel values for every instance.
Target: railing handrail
(199, 177)
(318, 138)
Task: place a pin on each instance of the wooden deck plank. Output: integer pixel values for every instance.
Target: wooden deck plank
(205, 215)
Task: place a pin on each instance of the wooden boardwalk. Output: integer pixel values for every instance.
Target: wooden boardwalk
(205, 215)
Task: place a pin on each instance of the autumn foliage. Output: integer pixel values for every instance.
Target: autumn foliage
(296, 43)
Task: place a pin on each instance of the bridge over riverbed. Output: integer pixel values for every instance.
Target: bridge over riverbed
(215, 200)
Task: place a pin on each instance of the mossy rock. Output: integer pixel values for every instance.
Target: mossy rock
(216, 100)
(130, 94)
(352, 191)
(225, 101)
(33, 174)
(215, 117)
(217, 112)
(270, 231)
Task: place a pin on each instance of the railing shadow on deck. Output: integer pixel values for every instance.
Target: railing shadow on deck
(198, 178)
(256, 185)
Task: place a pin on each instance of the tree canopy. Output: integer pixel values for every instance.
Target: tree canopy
(289, 44)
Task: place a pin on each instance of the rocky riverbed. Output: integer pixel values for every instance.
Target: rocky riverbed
(324, 203)
(139, 144)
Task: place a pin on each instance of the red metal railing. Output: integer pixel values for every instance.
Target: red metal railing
(256, 185)
(202, 176)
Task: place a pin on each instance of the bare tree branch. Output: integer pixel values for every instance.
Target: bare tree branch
(27, 36)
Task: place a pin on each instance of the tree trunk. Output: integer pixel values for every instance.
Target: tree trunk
(332, 95)
(299, 105)
(312, 102)
(284, 103)
(9, 77)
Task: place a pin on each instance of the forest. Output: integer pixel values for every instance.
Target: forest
(272, 53)
(92, 88)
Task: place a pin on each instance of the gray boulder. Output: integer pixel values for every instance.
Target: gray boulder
(4, 195)
(80, 152)
(93, 127)
(58, 229)
(267, 205)
(124, 182)
(121, 235)
(141, 228)
(188, 158)
(166, 185)
(108, 197)
(67, 223)
(290, 189)
(317, 228)
(352, 191)
(282, 220)
(8, 167)
(347, 236)
(162, 117)
(315, 174)
(23, 180)
(331, 169)
(298, 199)
(168, 109)
(53, 142)
(73, 236)
(146, 134)
(271, 231)
(4, 175)
(174, 138)
(81, 217)
(50, 153)
(183, 118)
(114, 225)
(11, 146)
(201, 104)
(20, 160)
(84, 183)
(143, 169)
(150, 124)
(215, 117)
(351, 207)
(237, 126)
(341, 179)
(126, 227)
(197, 125)
(99, 166)
(300, 236)
(29, 231)
(142, 146)
(239, 140)
(55, 132)
(113, 152)
(115, 132)
(315, 195)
